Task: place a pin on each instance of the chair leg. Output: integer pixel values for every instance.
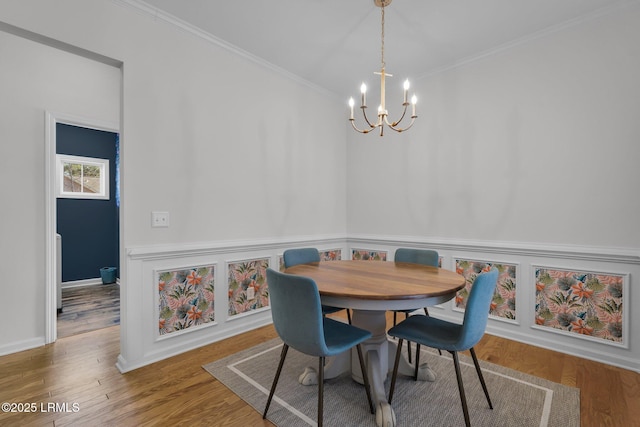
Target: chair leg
(463, 399)
(415, 373)
(349, 316)
(406, 316)
(484, 385)
(283, 355)
(365, 377)
(320, 389)
(395, 371)
(395, 314)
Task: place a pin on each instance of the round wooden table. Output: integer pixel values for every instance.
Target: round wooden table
(370, 288)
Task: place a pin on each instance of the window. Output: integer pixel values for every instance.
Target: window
(82, 177)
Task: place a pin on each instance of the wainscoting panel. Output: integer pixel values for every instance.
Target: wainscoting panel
(588, 315)
(593, 305)
(180, 297)
(503, 305)
(186, 299)
(596, 321)
(248, 290)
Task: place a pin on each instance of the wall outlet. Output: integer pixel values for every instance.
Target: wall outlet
(159, 219)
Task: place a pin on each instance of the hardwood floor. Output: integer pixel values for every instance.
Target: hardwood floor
(81, 370)
(88, 308)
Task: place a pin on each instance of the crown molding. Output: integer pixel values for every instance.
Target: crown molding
(156, 14)
(599, 13)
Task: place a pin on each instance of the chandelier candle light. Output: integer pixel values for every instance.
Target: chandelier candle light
(382, 111)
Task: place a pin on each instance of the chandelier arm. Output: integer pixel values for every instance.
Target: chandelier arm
(353, 125)
(364, 114)
(413, 119)
(397, 122)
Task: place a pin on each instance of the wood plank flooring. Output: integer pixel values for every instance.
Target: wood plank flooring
(81, 369)
(88, 308)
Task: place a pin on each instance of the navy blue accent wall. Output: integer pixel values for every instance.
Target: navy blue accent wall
(89, 228)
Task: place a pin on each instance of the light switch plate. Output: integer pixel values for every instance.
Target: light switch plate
(159, 219)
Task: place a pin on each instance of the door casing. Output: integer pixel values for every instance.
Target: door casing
(51, 120)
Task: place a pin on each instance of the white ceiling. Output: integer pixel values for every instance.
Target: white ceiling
(335, 44)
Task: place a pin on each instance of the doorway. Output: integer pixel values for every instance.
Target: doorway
(87, 201)
(83, 223)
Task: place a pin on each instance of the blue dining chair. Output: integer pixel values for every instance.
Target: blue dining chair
(415, 256)
(298, 320)
(452, 337)
(293, 257)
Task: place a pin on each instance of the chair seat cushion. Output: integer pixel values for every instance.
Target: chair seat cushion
(429, 331)
(327, 309)
(340, 337)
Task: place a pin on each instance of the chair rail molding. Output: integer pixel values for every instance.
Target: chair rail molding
(229, 246)
(576, 252)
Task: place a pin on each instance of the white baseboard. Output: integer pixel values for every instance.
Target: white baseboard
(183, 346)
(567, 345)
(84, 282)
(21, 345)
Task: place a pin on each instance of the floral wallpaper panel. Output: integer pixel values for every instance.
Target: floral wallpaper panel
(331, 255)
(503, 304)
(248, 288)
(583, 303)
(368, 255)
(328, 255)
(186, 298)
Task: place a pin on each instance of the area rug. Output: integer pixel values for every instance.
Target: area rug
(518, 399)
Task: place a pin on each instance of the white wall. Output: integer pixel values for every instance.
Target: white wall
(537, 143)
(198, 120)
(528, 156)
(35, 78)
(230, 148)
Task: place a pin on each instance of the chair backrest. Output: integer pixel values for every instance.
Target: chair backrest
(296, 312)
(417, 256)
(300, 256)
(476, 312)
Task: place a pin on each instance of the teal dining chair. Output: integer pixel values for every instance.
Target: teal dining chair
(293, 257)
(298, 320)
(415, 256)
(452, 337)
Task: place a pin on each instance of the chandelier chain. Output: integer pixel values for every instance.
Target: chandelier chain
(382, 37)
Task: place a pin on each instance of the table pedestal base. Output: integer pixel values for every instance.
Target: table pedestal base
(379, 353)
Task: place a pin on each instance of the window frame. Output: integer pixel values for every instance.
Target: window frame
(102, 164)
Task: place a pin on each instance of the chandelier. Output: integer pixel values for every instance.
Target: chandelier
(382, 110)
